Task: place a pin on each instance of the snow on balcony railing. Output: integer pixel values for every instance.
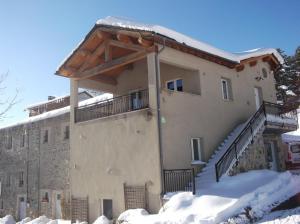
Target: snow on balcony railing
(121, 104)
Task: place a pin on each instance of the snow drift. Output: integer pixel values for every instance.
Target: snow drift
(259, 191)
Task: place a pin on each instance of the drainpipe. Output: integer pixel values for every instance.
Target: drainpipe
(27, 164)
(39, 164)
(157, 74)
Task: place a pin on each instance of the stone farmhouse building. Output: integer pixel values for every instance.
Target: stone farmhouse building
(181, 109)
(34, 161)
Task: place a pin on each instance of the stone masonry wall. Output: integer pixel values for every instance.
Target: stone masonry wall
(43, 166)
(255, 156)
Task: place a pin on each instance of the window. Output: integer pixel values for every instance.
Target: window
(264, 72)
(226, 89)
(8, 180)
(175, 85)
(136, 100)
(21, 179)
(8, 142)
(196, 149)
(22, 140)
(45, 137)
(45, 197)
(107, 209)
(67, 132)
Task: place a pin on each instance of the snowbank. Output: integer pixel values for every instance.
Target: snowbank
(23, 221)
(8, 219)
(258, 190)
(291, 216)
(102, 220)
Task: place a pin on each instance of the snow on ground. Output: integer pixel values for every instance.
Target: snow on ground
(8, 219)
(291, 216)
(258, 190)
(102, 220)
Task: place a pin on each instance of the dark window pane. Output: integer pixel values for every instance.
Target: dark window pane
(224, 89)
(107, 208)
(170, 85)
(179, 85)
(196, 149)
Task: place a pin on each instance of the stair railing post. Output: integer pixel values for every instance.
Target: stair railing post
(236, 157)
(194, 185)
(217, 173)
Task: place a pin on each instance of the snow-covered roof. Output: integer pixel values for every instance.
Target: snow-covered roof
(53, 100)
(259, 52)
(58, 112)
(183, 39)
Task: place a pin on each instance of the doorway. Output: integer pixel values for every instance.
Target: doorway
(22, 208)
(258, 97)
(58, 213)
(271, 155)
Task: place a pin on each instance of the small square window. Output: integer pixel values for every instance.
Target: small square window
(170, 85)
(175, 85)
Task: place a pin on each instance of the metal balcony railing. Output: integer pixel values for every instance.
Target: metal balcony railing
(135, 101)
(179, 180)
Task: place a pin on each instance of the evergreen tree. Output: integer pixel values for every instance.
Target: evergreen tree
(288, 77)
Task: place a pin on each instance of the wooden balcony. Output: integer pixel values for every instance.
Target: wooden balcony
(122, 104)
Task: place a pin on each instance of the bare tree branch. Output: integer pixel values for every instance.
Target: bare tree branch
(7, 103)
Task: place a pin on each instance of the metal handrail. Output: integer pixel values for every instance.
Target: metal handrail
(249, 128)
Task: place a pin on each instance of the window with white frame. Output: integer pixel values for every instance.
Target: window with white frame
(196, 149)
(175, 85)
(226, 89)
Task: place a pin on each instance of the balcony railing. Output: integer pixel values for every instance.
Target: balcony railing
(179, 180)
(135, 101)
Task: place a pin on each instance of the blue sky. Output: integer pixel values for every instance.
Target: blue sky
(37, 35)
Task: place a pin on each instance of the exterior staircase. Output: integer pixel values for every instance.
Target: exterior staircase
(232, 148)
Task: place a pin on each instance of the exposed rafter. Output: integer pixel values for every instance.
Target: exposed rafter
(124, 38)
(111, 65)
(129, 46)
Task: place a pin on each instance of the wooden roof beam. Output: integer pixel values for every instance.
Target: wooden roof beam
(111, 65)
(129, 46)
(240, 67)
(95, 55)
(253, 63)
(124, 38)
(144, 42)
